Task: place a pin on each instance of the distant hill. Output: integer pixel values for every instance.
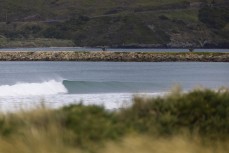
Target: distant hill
(115, 23)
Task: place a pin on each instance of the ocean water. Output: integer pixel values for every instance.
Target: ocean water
(112, 84)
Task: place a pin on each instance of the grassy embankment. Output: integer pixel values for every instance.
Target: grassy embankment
(194, 122)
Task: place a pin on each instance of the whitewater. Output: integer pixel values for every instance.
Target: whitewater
(25, 85)
(51, 87)
(55, 94)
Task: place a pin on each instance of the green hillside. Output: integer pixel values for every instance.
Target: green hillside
(65, 8)
(116, 23)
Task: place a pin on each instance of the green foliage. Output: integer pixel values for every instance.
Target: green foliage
(206, 112)
(32, 29)
(91, 123)
(214, 17)
(53, 32)
(3, 42)
(5, 128)
(201, 111)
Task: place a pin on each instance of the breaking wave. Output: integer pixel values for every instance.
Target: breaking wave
(54, 87)
(24, 89)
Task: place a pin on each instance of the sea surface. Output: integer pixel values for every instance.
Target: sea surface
(112, 84)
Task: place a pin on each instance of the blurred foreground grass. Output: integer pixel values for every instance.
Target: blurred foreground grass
(194, 122)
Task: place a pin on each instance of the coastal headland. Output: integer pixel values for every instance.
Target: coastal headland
(114, 56)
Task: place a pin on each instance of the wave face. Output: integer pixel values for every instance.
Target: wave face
(79, 87)
(51, 87)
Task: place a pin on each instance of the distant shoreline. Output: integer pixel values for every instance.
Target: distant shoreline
(114, 56)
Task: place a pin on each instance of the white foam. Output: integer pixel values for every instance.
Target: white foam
(51, 87)
(110, 101)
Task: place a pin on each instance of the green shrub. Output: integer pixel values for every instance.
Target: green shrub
(204, 112)
(91, 124)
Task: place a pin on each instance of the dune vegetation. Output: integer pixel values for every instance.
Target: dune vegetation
(193, 122)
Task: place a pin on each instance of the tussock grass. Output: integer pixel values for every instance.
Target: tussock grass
(35, 131)
(177, 144)
(192, 122)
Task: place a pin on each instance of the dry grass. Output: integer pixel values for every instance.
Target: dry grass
(41, 133)
(50, 141)
(177, 144)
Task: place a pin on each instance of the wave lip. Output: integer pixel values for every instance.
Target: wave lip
(51, 87)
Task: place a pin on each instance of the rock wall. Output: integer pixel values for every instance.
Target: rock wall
(114, 56)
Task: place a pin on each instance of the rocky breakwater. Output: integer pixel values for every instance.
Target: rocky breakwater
(114, 56)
